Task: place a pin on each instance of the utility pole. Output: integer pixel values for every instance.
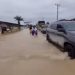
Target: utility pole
(58, 5)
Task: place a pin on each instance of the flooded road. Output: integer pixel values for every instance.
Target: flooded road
(22, 54)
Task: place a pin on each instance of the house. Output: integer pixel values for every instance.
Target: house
(7, 24)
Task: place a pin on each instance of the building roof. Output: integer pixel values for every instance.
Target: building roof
(8, 23)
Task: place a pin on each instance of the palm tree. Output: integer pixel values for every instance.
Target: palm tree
(18, 18)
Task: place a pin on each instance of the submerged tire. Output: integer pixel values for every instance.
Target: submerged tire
(71, 51)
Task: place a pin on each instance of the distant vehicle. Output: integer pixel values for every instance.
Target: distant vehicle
(42, 26)
(41, 22)
(63, 34)
(43, 30)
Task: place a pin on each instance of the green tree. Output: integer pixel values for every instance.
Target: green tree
(19, 19)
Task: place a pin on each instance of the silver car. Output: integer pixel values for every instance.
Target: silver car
(63, 34)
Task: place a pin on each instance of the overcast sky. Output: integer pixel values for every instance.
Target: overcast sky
(34, 10)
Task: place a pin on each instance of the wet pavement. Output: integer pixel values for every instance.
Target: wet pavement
(23, 54)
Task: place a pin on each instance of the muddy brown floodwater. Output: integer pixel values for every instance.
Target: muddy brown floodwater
(22, 54)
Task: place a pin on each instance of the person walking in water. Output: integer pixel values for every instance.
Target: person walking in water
(30, 29)
(34, 31)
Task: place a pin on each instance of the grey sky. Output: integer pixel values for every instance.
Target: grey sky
(33, 10)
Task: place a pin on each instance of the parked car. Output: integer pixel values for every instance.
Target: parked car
(62, 33)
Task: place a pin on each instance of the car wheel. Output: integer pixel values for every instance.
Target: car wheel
(71, 51)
